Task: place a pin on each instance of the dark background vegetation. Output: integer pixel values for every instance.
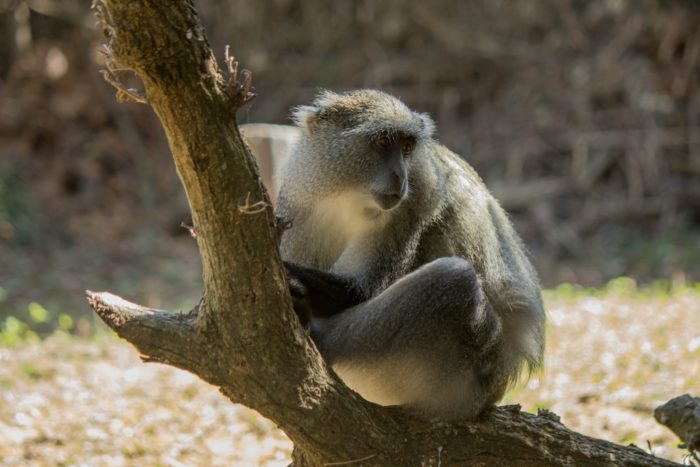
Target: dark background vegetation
(583, 117)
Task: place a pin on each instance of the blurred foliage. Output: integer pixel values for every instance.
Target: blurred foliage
(17, 215)
(15, 332)
(625, 288)
(35, 322)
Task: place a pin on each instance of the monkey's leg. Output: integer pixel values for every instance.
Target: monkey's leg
(430, 341)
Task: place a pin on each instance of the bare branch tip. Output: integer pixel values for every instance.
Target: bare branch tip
(229, 62)
(114, 310)
(103, 16)
(190, 228)
(93, 298)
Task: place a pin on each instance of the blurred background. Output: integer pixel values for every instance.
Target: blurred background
(583, 118)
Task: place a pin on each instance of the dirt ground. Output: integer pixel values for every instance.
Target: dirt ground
(611, 358)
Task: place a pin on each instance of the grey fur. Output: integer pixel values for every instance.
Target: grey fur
(454, 310)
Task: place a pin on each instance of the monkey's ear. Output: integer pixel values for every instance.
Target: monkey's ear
(323, 108)
(305, 116)
(427, 125)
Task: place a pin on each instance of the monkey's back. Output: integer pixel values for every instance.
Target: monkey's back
(468, 222)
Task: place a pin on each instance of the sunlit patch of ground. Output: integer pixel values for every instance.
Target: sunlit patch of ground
(611, 358)
(68, 401)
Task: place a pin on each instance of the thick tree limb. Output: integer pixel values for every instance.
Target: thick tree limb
(159, 335)
(682, 416)
(244, 336)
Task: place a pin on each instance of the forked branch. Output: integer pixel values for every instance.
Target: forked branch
(245, 338)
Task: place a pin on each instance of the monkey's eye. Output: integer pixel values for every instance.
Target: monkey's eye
(407, 148)
(384, 142)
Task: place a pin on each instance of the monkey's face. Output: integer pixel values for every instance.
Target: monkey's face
(389, 153)
(358, 147)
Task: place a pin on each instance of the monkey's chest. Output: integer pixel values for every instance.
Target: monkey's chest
(344, 237)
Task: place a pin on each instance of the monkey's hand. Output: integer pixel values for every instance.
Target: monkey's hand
(319, 294)
(298, 291)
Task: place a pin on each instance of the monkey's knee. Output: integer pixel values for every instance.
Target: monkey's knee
(453, 300)
(450, 264)
(450, 269)
(451, 282)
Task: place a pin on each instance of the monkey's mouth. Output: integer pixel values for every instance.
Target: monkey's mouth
(387, 202)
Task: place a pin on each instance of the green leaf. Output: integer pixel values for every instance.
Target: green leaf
(65, 322)
(38, 313)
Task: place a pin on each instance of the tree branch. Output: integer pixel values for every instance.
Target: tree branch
(244, 336)
(159, 335)
(251, 343)
(682, 416)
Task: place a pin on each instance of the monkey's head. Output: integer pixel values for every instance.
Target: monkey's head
(360, 144)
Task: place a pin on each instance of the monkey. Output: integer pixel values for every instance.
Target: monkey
(405, 270)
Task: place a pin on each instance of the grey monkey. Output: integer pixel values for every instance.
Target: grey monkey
(412, 282)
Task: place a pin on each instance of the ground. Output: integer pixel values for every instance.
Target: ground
(612, 356)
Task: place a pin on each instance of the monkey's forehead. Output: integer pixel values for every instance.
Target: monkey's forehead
(372, 111)
(358, 99)
(414, 127)
(403, 121)
(367, 111)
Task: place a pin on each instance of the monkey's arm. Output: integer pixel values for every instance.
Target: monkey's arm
(320, 294)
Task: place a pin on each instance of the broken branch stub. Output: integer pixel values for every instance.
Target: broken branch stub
(682, 416)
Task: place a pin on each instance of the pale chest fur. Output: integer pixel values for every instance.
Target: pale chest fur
(343, 226)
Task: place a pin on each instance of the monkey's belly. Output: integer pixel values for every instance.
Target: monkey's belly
(409, 381)
(371, 383)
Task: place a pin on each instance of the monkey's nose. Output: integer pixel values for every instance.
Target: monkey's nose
(390, 193)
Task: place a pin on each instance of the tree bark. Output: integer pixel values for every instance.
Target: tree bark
(243, 336)
(682, 416)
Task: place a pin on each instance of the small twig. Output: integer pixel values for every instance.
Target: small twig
(105, 50)
(231, 64)
(354, 461)
(123, 93)
(102, 15)
(254, 208)
(190, 228)
(110, 72)
(240, 92)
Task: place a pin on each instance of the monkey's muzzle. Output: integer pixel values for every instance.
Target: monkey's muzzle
(387, 201)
